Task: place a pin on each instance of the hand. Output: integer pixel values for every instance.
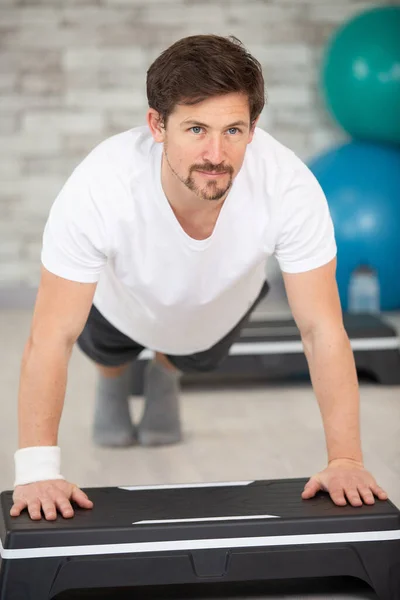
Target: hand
(344, 477)
(48, 496)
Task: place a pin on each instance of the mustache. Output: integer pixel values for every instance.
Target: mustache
(209, 168)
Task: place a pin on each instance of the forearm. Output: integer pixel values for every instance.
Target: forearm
(41, 392)
(334, 379)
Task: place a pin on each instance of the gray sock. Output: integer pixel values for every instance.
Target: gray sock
(112, 424)
(160, 423)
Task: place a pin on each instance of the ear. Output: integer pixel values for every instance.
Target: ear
(156, 125)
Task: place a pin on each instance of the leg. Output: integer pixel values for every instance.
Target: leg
(112, 424)
(112, 352)
(161, 423)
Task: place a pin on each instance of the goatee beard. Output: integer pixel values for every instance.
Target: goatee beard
(212, 191)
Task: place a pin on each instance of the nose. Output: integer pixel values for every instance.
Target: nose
(214, 151)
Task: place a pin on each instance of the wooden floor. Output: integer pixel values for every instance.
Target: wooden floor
(269, 431)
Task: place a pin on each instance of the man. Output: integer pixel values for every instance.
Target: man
(159, 240)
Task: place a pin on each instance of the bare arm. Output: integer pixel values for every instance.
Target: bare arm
(61, 310)
(314, 301)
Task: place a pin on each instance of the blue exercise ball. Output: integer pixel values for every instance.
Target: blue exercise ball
(360, 75)
(361, 181)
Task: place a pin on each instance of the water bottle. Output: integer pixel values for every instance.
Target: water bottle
(364, 293)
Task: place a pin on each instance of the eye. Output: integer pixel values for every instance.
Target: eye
(232, 130)
(196, 129)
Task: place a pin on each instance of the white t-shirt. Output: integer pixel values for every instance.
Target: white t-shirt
(112, 224)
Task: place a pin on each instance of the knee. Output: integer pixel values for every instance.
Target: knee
(163, 360)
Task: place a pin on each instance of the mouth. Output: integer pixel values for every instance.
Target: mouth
(213, 174)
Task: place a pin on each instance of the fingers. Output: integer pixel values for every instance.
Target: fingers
(379, 492)
(49, 498)
(81, 498)
(366, 494)
(64, 506)
(17, 508)
(311, 488)
(49, 508)
(357, 495)
(353, 496)
(34, 509)
(337, 495)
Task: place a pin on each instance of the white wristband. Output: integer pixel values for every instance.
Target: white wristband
(37, 463)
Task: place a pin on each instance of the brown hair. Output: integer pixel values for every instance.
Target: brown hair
(201, 66)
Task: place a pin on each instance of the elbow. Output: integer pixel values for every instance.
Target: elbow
(53, 343)
(335, 335)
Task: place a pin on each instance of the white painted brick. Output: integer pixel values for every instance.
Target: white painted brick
(176, 15)
(338, 12)
(32, 251)
(122, 34)
(11, 187)
(59, 166)
(91, 16)
(80, 3)
(124, 79)
(12, 272)
(8, 82)
(105, 99)
(10, 168)
(28, 17)
(299, 77)
(30, 144)
(295, 140)
(73, 73)
(104, 58)
(269, 33)
(81, 79)
(281, 55)
(23, 228)
(287, 95)
(258, 14)
(80, 145)
(265, 120)
(195, 28)
(34, 83)
(10, 102)
(322, 140)
(38, 193)
(124, 120)
(287, 117)
(166, 4)
(9, 123)
(34, 61)
(62, 121)
(37, 38)
(10, 249)
(32, 277)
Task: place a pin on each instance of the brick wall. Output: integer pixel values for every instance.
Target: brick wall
(73, 73)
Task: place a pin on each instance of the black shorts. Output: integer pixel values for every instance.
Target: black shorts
(108, 346)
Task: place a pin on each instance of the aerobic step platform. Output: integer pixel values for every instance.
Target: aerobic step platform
(273, 348)
(198, 533)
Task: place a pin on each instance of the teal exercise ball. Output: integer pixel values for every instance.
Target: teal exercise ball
(360, 75)
(361, 181)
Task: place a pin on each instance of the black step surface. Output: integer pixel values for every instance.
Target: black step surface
(259, 508)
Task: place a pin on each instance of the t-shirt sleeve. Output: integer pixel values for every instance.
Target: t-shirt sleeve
(305, 236)
(75, 241)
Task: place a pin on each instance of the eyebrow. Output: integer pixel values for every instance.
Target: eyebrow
(199, 124)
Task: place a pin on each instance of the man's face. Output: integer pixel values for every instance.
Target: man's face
(205, 144)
